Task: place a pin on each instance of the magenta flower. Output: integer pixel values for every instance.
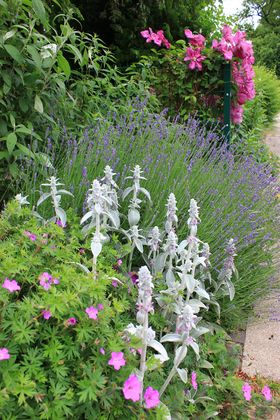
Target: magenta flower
(195, 40)
(117, 360)
(30, 235)
(92, 312)
(100, 307)
(119, 262)
(71, 321)
(133, 276)
(236, 114)
(4, 354)
(115, 283)
(102, 351)
(267, 393)
(246, 388)
(195, 58)
(157, 37)
(59, 223)
(46, 280)
(11, 285)
(224, 47)
(46, 314)
(193, 380)
(132, 388)
(151, 397)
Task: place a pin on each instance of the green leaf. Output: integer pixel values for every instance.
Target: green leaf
(14, 53)
(11, 141)
(13, 169)
(38, 104)
(25, 150)
(9, 34)
(40, 11)
(35, 55)
(64, 65)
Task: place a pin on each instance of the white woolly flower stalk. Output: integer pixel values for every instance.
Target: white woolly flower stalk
(193, 217)
(154, 244)
(171, 217)
(170, 248)
(55, 195)
(186, 321)
(144, 306)
(110, 189)
(21, 200)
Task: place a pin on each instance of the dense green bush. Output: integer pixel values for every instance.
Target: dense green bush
(51, 74)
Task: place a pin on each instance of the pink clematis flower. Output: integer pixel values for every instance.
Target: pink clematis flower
(11, 285)
(227, 34)
(193, 380)
(4, 354)
(46, 314)
(117, 360)
(71, 321)
(157, 37)
(195, 58)
(151, 397)
(132, 388)
(267, 393)
(195, 40)
(92, 312)
(236, 114)
(246, 388)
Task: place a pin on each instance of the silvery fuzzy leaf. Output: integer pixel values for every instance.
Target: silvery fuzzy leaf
(58, 198)
(199, 331)
(65, 192)
(173, 338)
(96, 247)
(199, 261)
(195, 348)
(60, 213)
(196, 304)
(201, 292)
(133, 217)
(182, 246)
(43, 198)
(231, 289)
(127, 191)
(204, 364)
(183, 375)
(83, 267)
(87, 228)
(98, 209)
(163, 412)
(188, 281)
(112, 217)
(116, 216)
(162, 353)
(138, 245)
(145, 192)
(180, 357)
(86, 216)
(160, 262)
(170, 278)
(36, 214)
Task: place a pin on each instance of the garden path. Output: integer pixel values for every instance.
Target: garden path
(261, 354)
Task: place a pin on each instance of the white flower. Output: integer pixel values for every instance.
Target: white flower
(48, 50)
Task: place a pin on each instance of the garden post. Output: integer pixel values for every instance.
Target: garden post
(227, 97)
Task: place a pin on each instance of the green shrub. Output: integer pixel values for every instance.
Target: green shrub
(268, 86)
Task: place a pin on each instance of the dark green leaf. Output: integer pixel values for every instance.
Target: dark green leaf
(40, 11)
(14, 53)
(38, 104)
(11, 141)
(64, 65)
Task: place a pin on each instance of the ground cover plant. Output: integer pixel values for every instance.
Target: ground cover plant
(69, 343)
(234, 192)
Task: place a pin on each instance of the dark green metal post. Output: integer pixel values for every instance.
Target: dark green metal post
(227, 95)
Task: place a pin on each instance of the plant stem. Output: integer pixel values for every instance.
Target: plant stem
(130, 258)
(143, 356)
(172, 372)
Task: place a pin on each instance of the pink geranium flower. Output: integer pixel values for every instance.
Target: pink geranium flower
(11, 285)
(100, 307)
(117, 360)
(193, 380)
(71, 321)
(151, 397)
(246, 388)
(30, 235)
(195, 58)
(46, 280)
(59, 223)
(195, 40)
(46, 314)
(132, 388)
(4, 354)
(267, 393)
(92, 312)
(102, 351)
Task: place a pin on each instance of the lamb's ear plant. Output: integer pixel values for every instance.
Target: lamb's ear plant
(21, 200)
(55, 194)
(133, 211)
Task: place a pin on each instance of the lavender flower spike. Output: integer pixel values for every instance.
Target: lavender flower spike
(224, 278)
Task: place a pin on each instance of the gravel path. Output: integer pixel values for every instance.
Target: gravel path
(261, 353)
